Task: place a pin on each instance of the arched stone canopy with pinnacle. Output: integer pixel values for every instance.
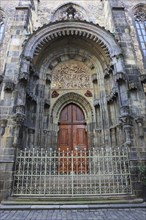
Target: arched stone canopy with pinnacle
(44, 37)
(72, 97)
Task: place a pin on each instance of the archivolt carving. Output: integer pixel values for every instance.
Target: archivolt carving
(71, 75)
(83, 29)
(72, 97)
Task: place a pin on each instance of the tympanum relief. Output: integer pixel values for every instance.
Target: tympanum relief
(71, 75)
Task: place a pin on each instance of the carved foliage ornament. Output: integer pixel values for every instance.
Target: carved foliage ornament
(71, 75)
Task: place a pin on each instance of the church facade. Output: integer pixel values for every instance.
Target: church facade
(73, 82)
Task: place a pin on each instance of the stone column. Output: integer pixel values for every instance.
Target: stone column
(126, 120)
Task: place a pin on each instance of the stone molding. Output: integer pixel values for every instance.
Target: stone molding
(74, 98)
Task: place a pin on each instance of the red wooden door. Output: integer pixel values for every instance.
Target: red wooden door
(72, 137)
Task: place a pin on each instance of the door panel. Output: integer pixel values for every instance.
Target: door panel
(79, 137)
(72, 136)
(64, 140)
(66, 115)
(78, 115)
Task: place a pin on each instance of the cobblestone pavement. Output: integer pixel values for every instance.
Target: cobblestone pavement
(84, 214)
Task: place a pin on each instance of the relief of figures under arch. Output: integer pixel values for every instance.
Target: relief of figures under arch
(71, 75)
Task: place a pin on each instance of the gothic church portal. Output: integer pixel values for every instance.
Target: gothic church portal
(72, 97)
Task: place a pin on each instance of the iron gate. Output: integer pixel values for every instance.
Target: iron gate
(74, 173)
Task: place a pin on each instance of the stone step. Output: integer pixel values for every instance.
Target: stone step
(66, 206)
(30, 200)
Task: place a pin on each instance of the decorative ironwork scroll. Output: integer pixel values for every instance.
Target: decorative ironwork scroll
(72, 173)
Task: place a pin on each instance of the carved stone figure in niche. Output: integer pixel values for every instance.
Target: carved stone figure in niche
(70, 12)
(71, 75)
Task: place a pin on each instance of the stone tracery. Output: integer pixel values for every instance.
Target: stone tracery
(140, 14)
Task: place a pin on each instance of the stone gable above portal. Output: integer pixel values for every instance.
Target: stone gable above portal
(70, 11)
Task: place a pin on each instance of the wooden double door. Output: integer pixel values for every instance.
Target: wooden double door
(72, 138)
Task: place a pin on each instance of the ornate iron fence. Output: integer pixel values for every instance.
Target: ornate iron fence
(72, 173)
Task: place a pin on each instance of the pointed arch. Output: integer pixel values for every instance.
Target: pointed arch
(139, 14)
(75, 98)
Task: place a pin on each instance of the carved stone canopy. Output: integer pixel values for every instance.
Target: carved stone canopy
(20, 109)
(48, 78)
(119, 76)
(132, 85)
(125, 117)
(113, 94)
(133, 82)
(9, 85)
(94, 77)
(19, 118)
(124, 110)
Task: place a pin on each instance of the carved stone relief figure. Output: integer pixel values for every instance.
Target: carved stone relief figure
(71, 75)
(70, 12)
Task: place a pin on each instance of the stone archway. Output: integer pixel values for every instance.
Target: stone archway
(87, 46)
(74, 98)
(82, 103)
